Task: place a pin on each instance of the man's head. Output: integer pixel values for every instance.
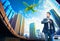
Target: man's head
(48, 14)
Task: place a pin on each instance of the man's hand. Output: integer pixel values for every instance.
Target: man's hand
(49, 21)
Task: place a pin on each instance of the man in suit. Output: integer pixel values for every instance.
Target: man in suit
(49, 28)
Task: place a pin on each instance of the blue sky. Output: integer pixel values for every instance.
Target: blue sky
(19, 4)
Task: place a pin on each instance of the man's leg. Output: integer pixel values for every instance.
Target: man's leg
(51, 37)
(46, 37)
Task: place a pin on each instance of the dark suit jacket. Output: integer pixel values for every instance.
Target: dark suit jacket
(45, 29)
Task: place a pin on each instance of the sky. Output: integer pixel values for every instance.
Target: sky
(19, 4)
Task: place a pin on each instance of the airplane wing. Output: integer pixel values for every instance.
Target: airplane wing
(34, 5)
(33, 10)
(25, 4)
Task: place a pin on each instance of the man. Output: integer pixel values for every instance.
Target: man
(49, 28)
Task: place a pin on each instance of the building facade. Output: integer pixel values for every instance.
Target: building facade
(32, 31)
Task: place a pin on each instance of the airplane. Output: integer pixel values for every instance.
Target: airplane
(30, 7)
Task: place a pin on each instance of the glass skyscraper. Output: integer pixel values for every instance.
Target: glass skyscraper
(8, 9)
(32, 31)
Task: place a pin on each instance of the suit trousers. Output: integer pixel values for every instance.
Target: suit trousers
(48, 37)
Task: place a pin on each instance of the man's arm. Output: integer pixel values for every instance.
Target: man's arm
(44, 21)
